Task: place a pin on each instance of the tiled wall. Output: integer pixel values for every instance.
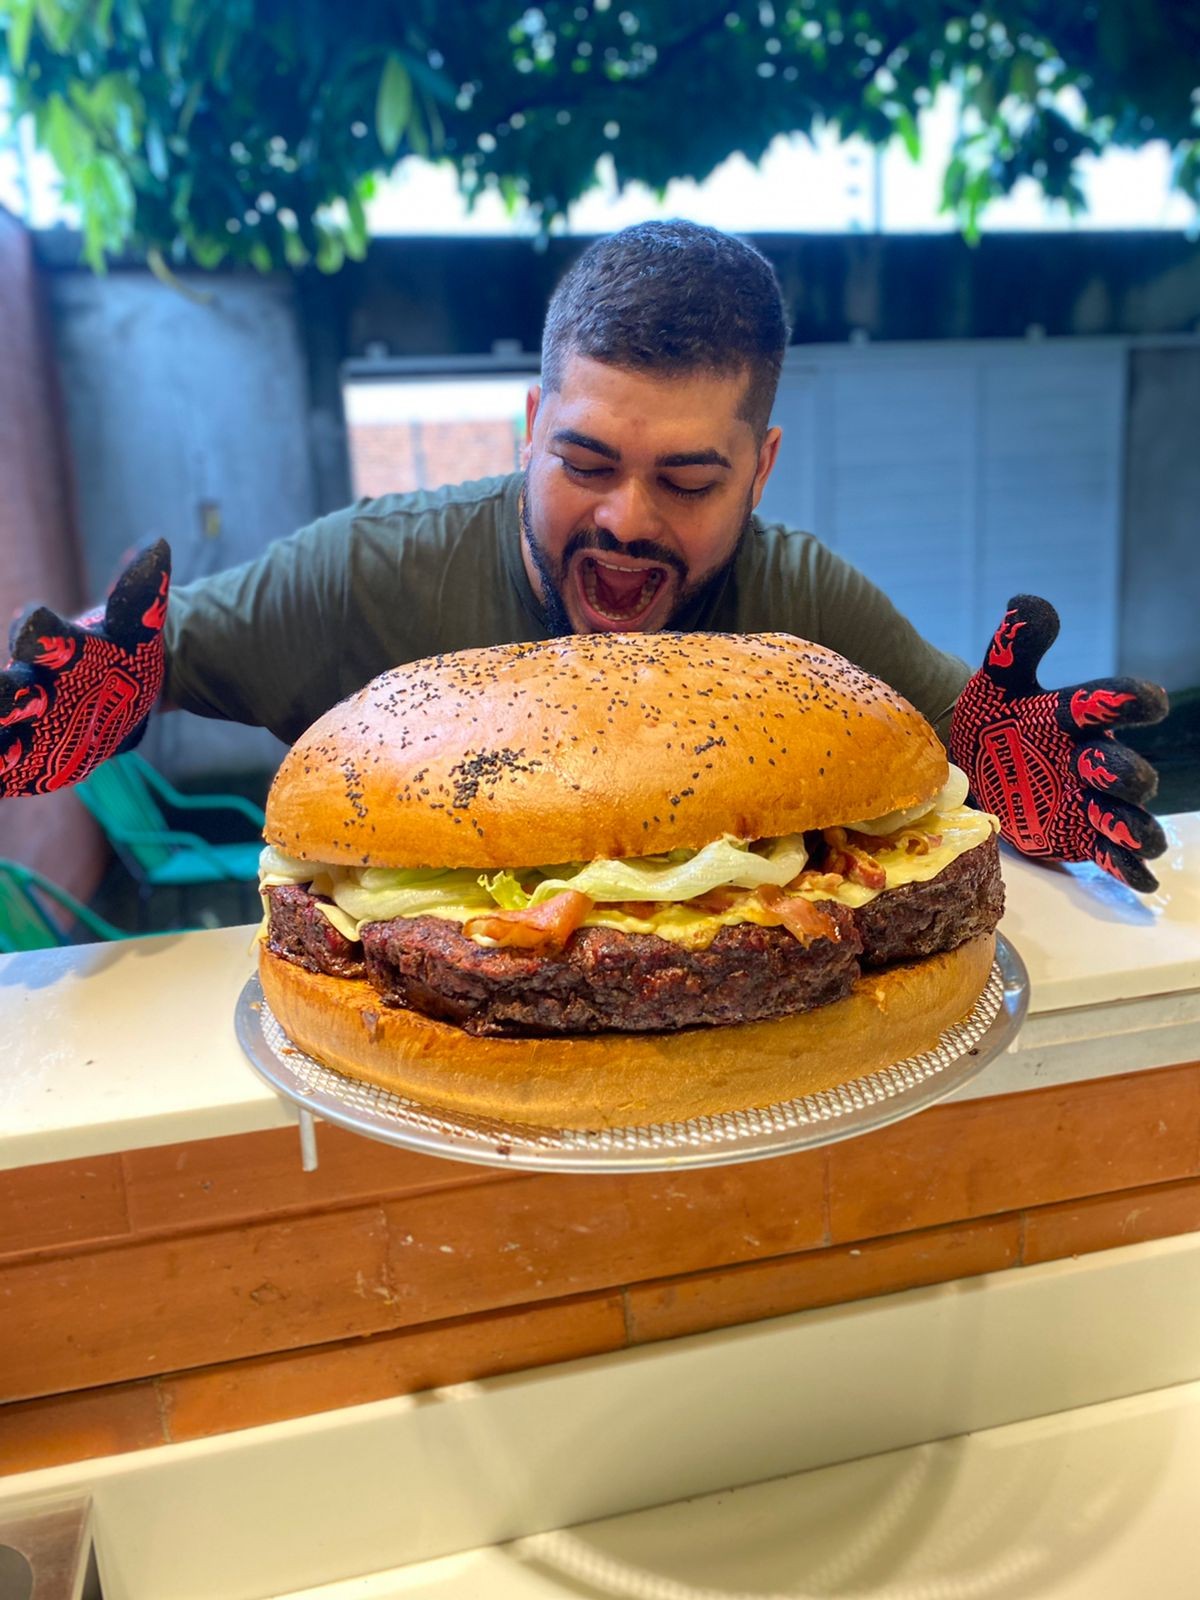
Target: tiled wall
(174, 1293)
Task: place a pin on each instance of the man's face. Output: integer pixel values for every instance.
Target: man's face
(637, 490)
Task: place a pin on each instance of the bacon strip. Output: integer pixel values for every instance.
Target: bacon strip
(852, 861)
(805, 919)
(544, 927)
(810, 878)
(715, 901)
(911, 840)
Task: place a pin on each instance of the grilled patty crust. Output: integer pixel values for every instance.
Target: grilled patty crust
(607, 981)
(919, 919)
(604, 980)
(303, 935)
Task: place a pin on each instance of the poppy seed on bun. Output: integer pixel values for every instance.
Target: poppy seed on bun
(599, 745)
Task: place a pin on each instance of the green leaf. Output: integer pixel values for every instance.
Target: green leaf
(188, 109)
(260, 257)
(181, 201)
(295, 252)
(356, 233)
(418, 137)
(437, 128)
(331, 252)
(19, 29)
(393, 104)
(106, 200)
(58, 23)
(910, 134)
(65, 137)
(1022, 78)
(207, 253)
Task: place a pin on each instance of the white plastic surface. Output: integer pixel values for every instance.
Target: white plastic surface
(1094, 1504)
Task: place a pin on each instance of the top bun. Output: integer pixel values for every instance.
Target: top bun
(599, 745)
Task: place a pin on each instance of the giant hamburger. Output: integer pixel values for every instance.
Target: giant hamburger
(615, 879)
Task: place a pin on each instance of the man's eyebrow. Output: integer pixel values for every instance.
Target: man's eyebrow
(681, 458)
(586, 442)
(695, 458)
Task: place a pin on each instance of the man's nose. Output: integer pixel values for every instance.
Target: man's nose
(627, 511)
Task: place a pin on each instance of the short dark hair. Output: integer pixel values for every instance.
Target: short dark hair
(672, 297)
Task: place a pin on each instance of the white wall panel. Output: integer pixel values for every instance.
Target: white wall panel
(955, 476)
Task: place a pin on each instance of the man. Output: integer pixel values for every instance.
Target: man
(649, 446)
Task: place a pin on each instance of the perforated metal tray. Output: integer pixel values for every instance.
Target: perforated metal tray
(747, 1135)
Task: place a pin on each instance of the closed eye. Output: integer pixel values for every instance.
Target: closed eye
(687, 494)
(583, 474)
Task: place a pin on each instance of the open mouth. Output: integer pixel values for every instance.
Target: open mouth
(616, 595)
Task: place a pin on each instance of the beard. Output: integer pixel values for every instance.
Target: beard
(694, 594)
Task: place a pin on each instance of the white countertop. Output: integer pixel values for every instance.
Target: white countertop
(121, 1046)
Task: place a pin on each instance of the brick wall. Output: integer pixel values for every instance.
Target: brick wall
(388, 458)
(170, 1294)
(38, 557)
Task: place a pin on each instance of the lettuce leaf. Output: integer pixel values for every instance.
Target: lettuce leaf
(678, 875)
(375, 894)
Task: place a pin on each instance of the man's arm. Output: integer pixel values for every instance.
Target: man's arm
(264, 643)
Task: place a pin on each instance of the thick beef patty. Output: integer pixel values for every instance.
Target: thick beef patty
(301, 933)
(604, 980)
(918, 919)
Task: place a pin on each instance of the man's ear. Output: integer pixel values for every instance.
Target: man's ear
(768, 454)
(533, 399)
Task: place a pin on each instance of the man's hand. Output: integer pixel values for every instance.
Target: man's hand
(1046, 761)
(78, 692)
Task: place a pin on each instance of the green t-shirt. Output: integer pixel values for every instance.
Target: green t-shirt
(276, 642)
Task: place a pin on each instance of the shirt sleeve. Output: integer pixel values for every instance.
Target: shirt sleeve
(259, 643)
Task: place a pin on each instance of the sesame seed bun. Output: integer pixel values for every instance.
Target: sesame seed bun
(627, 1080)
(599, 745)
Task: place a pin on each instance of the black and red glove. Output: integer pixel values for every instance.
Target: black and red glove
(1046, 762)
(78, 692)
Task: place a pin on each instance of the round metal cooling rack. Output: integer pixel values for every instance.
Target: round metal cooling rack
(850, 1108)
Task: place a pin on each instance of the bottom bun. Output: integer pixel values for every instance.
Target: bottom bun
(617, 1080)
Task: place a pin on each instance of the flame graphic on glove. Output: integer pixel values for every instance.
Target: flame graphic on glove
(1112, 827)
(27, 704)
(54, 652)
(1092, 770)
(156, 613)
(1097, 705)
(1001, 652)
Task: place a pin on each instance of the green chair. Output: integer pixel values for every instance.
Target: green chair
(36, 914)
(125, 796)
